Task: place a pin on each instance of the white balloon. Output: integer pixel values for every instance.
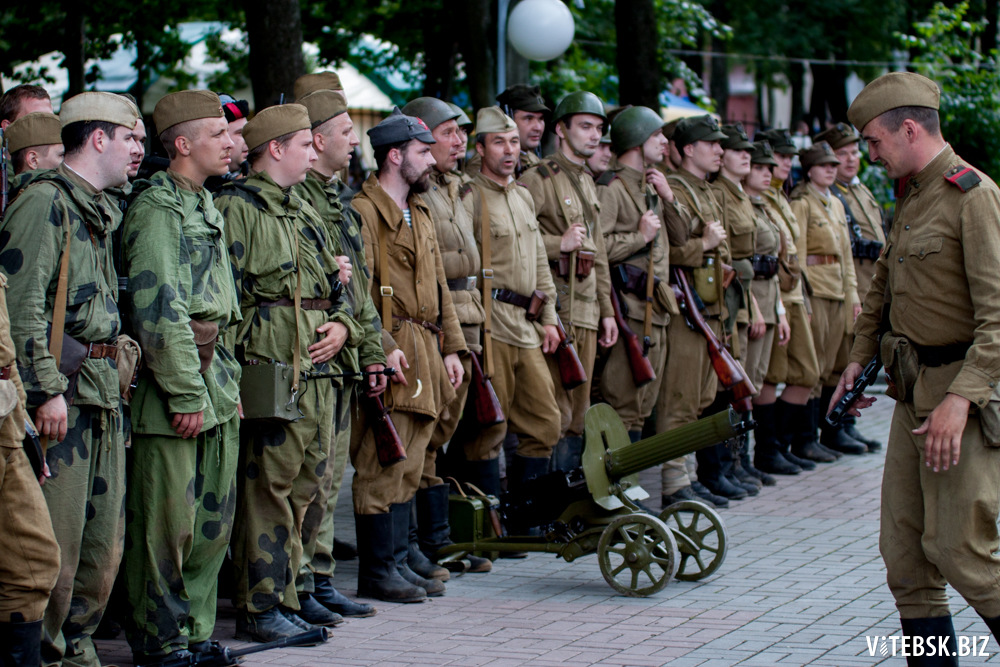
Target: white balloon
(540, 29)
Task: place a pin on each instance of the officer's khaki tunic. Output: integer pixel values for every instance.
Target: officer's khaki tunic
(941, 265)
(741, 237)
(765, 291)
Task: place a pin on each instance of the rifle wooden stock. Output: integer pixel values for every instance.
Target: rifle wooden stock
(572, 374)
(483, 397)
(638, 363)
(731, 374)
(388, 445)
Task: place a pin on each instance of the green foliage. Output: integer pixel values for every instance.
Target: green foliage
(970, 89)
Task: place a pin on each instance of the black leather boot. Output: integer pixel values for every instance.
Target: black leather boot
(767, 455)
(433, 531)
(566, 455)
(377, 574)
(850, 428)
(783, 422)
(634, 436)
(803, 427)
(337, 602)
(710, 474)
(748, 467)
(415, 557)
(707, 496)
(835, 437)
(401, 550)
(994, 625)
(20, 644)
(265, 626)
(931, 630)
(485, 475)
(734, 469)
(314, 613)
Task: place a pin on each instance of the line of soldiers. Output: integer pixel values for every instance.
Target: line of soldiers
(236, 279)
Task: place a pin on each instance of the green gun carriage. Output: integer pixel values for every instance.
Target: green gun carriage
(595, 509)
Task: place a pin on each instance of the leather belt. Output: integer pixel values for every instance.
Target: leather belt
(462, 284)
(430, 326)
(512, 297)
(940, 355)
(307, 304)
(102, 351)
(5, 372)
(813, 260)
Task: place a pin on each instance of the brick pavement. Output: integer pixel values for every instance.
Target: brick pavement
(802, 584)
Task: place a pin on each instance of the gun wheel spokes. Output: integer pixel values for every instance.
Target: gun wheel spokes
(637, 554)
(701, 538)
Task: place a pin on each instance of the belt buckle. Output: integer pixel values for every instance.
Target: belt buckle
(386, 290)
(470, 282)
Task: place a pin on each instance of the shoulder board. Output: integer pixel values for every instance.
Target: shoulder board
(521, 183)
(553, 165)
(543, 170)
(245, 192)
(464, 190)
(607, 177)
(962, 177)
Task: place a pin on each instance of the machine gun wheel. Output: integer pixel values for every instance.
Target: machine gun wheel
(637, 554)
(701, 538)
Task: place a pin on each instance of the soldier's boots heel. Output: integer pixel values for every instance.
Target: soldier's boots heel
(292, 616)
(850, 429)
(265, 626)
(401, 514)
(20, 643)
(337, 602)
(377, 575)
(930, 629)
(314, 613)
(702, 492)
(416, 559)
(802, 426)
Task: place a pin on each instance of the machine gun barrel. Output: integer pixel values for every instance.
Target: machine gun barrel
(675, 443)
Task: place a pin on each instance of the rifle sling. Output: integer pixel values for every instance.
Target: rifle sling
(647, 324)
(482, 213)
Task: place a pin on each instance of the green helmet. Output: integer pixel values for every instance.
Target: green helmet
(430, 110)
(579, 102)
(462, 118)
(633, 126)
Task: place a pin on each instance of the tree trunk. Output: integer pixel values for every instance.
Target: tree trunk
(719, 81)
(73, 49)
(477, 46)
(990, 32)
(829, 94)
(439, 51)
(796, 80)
(639, 73)
(274, 31)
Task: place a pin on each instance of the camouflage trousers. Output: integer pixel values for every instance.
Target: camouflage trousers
(317, 526)
(85, 496)
(181, 499)
(281, 466)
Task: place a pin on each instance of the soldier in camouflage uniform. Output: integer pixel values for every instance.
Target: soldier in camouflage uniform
(281, 252)
(86, 453)
(334, 140)
(182, 484)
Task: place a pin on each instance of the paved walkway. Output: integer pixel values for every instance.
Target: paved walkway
(803, 584)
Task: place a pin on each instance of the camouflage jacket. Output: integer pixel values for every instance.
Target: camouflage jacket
(30, 254)
(275, 237)
(345, 232)
(175, 254)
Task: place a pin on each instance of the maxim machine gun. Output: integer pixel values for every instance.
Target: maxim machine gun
(594, 509)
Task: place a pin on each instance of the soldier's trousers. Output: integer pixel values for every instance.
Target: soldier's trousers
(317, 525)
(180, 505)
(573, 404)
(940, 528)
(30, 563)
(795, 364)
(828, 330)
(689, 386)
(446, 426)
(375, 487)
(85, 497)
(757, 356)
(525, 389)
(281, 466)
(633, 404)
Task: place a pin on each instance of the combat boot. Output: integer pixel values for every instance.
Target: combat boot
(485, 475)
(748, 467)
(337, 602)
(802, 424)
(314, 613)
(783, 422)
(21, 643)
(377, 574)
(400, 513)
(994, 625)
(767, 454)
(687, 493)
(265, 626)
(931, 629)
(566, 455)
(416, 559)
(849, 423)
(433, 530)
(836, 437)
(738, 452)
(707, 496)
(710, 474)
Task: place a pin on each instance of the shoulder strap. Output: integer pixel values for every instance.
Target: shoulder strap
(59, 306)
(606, 177)
(481, 212)
(962, 177)
(852, 223)
(694, 196)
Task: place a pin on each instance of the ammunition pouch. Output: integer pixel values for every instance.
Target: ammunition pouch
(863, 248)
(205, 336)
(266, 392)
(129, 360)
(532, 304)
(764, 266)
(902, 365)
(73, 354)
(789, 273)
(584, 264)
(632, 279)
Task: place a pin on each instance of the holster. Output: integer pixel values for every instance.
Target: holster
(73, 354)
(584, 264)
(902, 365)
(534, 309)
(789, 273)
(205, 336)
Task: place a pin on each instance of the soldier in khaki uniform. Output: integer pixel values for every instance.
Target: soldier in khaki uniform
(940, 496)
(568, 216)
(453, 226)
(864, 222)
(520, 267)
(637, 213)
(690, 382)
(600, 161)
(35, 142)
(830, 271)
(421, 336)
(793, 364)
(525, 105)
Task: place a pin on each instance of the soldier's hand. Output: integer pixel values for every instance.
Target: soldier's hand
(609, 332)
(845, 384)
(344, 262)
(573, 237)
(857, 310)
(944, 428)
(46, 473)
(397, 360)
(784, 330)
(239, 409)
(713, 235)
(334, 337)
(187, 424)
(649, 225)
(656, 178)
(50, 418)
(376, 383)
(455, 371)
(551, 341)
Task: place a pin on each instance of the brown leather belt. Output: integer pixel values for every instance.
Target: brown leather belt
(467, 284)
(430, 326)
(5, 372)
(102, 351)
(307, 304)
(512, 297)
(813, 260)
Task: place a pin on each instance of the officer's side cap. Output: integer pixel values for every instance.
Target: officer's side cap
(891, 91)
(323, 105)
(697, 128)
(310, 83)
(274, 122)
(185, 105)
(492, 120)
(40, 128)
(106, 107)
(397, 128)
